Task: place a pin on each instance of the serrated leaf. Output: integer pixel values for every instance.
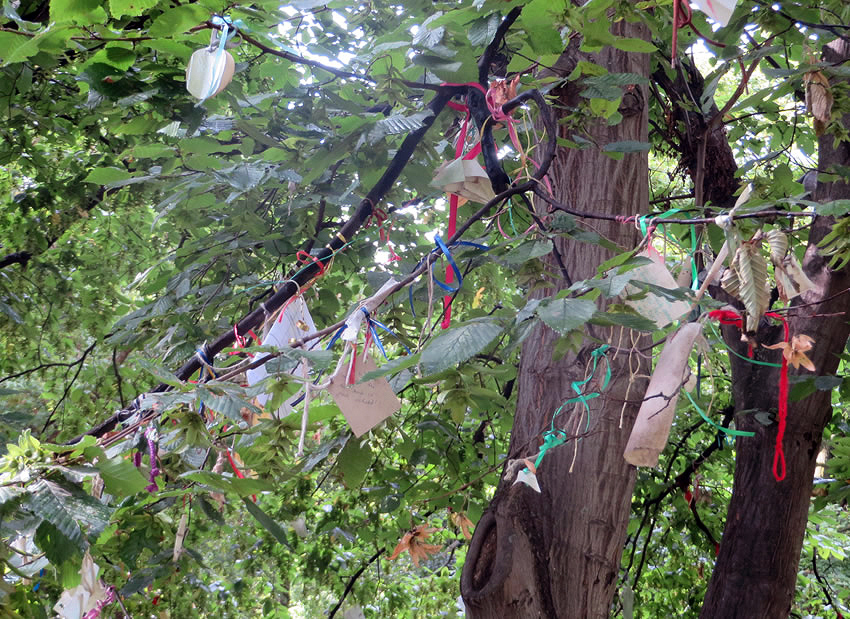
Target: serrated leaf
(459, 343)
(178, 20)
(268, 523)
(133, 8)
(481, 31)
(624, 319)
(353, 462)
(729, 282)
(527, 251)
(120, 477)
(290, 358)
(429, 37)
(107, 175)
(398, 123)
(751, 268)
(626, 146)
(242, 487)
(835, 208)
(159, 372)
(391, 367)
(230, 406)
(778, 243)
(52, 502)
(634, 45)
(9, 493)
(565, 315)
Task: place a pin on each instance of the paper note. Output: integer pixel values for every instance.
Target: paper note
(364, 405)
(659, 309)
(296, 322)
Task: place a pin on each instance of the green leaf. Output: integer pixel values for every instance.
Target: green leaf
(159, 372)
(391, 367)
(245, 486)
(55, 544)
(104, 176)
(53, 503)
(133, 8)
(624, 319)
(268, 523)
(9, 493)
(178, 20)
(120, 477)
(528, 251)
(626, 146)
(565, 315)
(459, 343)
(627, 44)
(835, 208)
(353, 462)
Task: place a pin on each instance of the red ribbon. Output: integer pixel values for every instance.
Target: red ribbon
(728, 317)
(453, 199)
(237, 472)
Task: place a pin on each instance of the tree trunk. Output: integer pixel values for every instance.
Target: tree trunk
(756, 570)
(557, 553)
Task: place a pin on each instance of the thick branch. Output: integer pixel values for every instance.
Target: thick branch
(18, 257)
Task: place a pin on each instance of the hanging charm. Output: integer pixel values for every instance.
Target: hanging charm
(211, 69)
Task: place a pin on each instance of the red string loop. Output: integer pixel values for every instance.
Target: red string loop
(728, 317)
(304, 258)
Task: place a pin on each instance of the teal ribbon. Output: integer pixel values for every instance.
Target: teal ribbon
(227, 29)
(723, 429)
(552, 437)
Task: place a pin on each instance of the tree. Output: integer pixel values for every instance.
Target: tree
(149, 236)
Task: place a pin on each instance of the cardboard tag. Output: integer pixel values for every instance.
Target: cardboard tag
(657, 308)
(364, 405)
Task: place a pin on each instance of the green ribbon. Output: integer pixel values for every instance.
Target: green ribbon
(552, 437)
(737, 354)
(723, 429)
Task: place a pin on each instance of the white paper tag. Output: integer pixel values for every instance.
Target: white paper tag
(282, 331)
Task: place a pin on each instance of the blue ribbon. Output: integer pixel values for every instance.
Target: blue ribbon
(372, 323)
(220, 61)
(444, 249)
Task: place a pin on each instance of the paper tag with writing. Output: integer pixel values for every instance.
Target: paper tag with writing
(364, 405)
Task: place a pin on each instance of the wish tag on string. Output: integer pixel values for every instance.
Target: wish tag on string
(364, 405)
(652, 426)
(525, 476)
(718, 10)
(465, 178)
(210, 69)
(660, 310)
(295, 323)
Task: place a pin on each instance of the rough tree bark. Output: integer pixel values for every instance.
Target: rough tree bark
(557, 553)
(756, 570)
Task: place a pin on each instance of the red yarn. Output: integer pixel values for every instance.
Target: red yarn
(728, 317)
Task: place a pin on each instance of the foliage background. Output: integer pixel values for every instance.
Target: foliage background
(151, 223)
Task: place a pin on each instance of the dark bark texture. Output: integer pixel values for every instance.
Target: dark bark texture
(557, 553)
(756, 570)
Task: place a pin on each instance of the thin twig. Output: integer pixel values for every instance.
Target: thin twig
(352, 580)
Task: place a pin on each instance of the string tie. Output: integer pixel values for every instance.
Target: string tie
(728, 317)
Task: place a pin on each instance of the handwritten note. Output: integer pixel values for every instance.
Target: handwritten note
(364, 405)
